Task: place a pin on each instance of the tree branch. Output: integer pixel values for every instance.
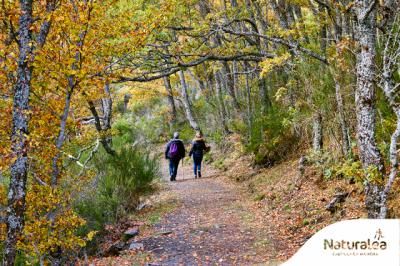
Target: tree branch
(151, 75)
(291, 45)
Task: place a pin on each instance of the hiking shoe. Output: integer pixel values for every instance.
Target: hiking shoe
(199, 174)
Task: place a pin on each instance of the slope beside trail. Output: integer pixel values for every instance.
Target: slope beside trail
(211, 226)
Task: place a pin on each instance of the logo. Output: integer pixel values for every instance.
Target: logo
(367, 242)
(357, 247)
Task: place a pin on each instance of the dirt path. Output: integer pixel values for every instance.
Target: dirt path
(211, 226)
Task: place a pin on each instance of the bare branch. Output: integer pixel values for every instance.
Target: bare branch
(90, 157)
(153, 75)
(289, 44)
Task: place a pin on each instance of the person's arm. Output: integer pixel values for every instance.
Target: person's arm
(167, 150)
(191, 150)
(183, 151)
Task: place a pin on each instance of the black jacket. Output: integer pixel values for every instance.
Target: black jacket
(198, 148)
(181, 148)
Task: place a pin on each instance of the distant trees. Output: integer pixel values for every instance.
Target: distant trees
(261, 34)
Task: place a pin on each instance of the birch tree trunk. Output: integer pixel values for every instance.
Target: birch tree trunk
(317, 132)
(186, 102)
(19, 146)
(106, 104)
(391, 59)
(365, 100)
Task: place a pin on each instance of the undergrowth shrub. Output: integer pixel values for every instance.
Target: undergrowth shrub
(124, 131)
(121, 181)
(272, 137)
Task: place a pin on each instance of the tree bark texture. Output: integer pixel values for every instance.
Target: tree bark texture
(365, 100)
(317, 132)
(19, 146)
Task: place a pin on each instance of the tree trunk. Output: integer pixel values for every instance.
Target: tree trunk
(280, 12)
(69, 91)
(107, 108)
(261, 19)
(204, 7)
(104, 139)
(317, 132)
(61, 137)
(170, 95)
(127, 97)
(390, 89)
(63, 123)
(19, 146)
(323, 29)
(394, 164)
(106, 104)
(249, 106)
(346, 143)
(365, 102)
(222, 109)
(186, 103)
(228, 78)
(265, 100)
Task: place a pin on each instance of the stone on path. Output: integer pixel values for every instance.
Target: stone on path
(136, 246)
(132, 232)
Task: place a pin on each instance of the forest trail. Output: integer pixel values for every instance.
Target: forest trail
(211, 226)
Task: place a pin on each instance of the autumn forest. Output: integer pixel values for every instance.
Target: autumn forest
(298, 99)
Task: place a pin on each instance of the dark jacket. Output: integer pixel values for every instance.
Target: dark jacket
(198, 148)
(181, 148)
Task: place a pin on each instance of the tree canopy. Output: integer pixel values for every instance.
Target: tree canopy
(286, 75)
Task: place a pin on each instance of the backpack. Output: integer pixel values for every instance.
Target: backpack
(174, 151)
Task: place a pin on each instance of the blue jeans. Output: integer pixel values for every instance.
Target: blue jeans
(173, 168)
(197, 166)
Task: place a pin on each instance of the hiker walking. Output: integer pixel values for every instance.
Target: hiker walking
(198, 148)
(175, 151)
